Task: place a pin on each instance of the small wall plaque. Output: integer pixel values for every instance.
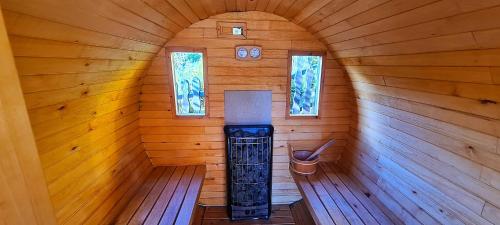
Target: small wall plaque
(248, 52)
(233, 30)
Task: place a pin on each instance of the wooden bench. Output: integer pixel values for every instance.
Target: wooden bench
(169, 196)
(333, 198)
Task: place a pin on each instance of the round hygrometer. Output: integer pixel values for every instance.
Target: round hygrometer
(255, 52)
(242, 52)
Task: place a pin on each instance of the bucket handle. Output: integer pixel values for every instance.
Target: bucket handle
(290, 151)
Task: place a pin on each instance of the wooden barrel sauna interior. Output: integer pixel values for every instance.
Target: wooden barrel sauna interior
(410, 92)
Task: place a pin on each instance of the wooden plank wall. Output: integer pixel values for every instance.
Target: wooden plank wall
(24, 196)
(425, 135)
(171, 141)
(80, 72)
(425, 138)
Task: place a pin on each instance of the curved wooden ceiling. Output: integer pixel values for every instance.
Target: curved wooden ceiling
(351, 28)
(444, 51)
(426, 71)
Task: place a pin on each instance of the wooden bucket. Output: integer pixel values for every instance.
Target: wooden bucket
(299, 165)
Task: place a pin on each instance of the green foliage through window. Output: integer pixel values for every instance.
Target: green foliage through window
(188, 83)
(305, 85)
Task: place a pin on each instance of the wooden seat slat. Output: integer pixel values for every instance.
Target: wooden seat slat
(332, 198)
(188, 205)
(174, 205)
(168, 196)
(313, 202)
(143, 211)
(328, 201)
(165, 197)
(342, 203)
(355, 204)
(141, 195)
(374, 210)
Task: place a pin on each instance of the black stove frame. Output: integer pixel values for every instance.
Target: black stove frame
(249, 155)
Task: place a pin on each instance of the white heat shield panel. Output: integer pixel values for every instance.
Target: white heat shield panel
(247, 107)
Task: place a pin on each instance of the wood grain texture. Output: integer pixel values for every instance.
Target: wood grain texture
(425, 75)
(332, 198)
(24, 197)
(280, 215)
(80, 73)
(300, 214)
(426, 124)
(168, 196)
(173, 141)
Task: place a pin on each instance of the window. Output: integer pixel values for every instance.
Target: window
(188, 69)
(304, 84)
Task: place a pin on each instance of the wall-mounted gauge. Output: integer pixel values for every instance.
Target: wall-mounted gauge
(241, 52)
(248, 52)
(255, 52)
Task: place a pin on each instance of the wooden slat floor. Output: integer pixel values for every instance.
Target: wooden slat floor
(295, 214)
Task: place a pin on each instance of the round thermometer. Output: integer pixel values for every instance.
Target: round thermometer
(242, 52)
(255, 52)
